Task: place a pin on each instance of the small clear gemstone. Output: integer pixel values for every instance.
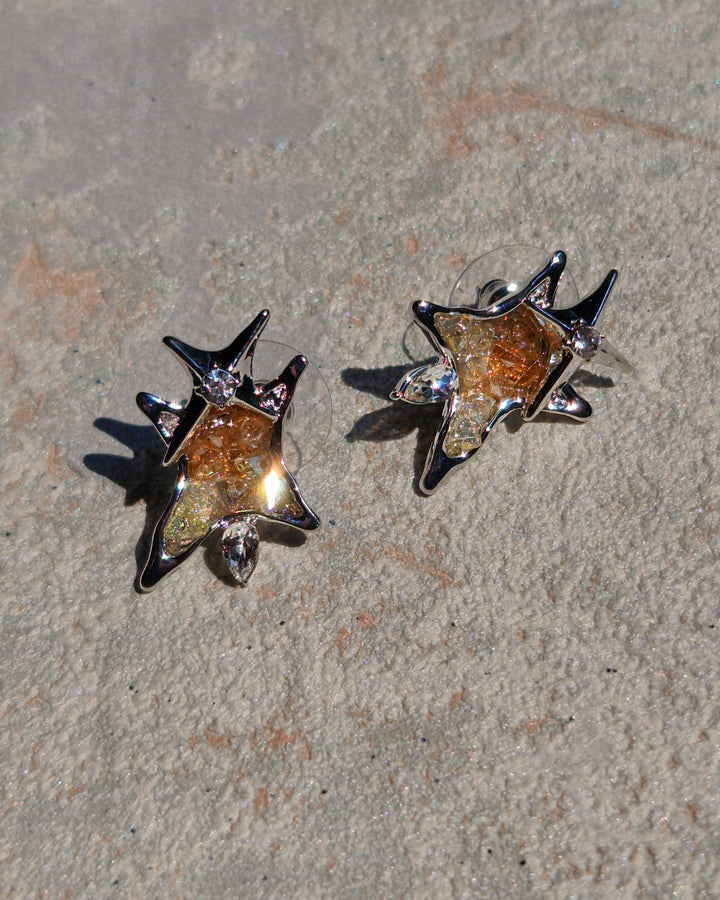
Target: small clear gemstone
(168, 422)
(539, 295)
(274, 399)
(239, 547)
(584, 341)
(218, 386)
(558, 401)
(427, 384)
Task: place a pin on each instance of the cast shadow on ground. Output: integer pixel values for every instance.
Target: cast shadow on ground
(396, 420)
(400, 419)
(144, 478)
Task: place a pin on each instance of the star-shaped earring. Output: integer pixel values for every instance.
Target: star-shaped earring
(516, 353)
(227, 443)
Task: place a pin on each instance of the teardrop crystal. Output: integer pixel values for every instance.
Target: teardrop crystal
(239, 547)
(427, 384)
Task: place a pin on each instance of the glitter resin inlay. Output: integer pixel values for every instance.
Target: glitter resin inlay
(496, 358)
(230, 471)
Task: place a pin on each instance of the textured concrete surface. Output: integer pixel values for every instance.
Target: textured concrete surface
(508, 690)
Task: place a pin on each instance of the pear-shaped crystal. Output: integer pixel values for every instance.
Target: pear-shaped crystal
(427, 384)
(239, 547)
(274, 399)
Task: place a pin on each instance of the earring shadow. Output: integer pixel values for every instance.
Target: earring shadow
(397, 420)
(584, 378)
(142, 478)
(400, 419)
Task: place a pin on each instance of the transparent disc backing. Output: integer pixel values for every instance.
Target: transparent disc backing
(515, 265)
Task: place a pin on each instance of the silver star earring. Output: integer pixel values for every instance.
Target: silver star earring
(513, 351)
(227, 444)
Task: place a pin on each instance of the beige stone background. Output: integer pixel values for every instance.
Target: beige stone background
(508, 690)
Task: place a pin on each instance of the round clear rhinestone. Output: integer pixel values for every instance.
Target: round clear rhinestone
(584, 341)
(218, 386)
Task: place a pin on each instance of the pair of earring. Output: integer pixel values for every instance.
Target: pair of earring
(513, 350)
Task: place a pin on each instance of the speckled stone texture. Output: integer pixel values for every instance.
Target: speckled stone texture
(508, 690)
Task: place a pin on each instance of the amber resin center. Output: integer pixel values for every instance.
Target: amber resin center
(228, 462)
(496, 358)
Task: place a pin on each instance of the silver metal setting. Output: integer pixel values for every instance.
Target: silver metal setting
(223, 381)
(581, 342)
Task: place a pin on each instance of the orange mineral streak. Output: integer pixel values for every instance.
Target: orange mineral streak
(501, 358)
(228, 463)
